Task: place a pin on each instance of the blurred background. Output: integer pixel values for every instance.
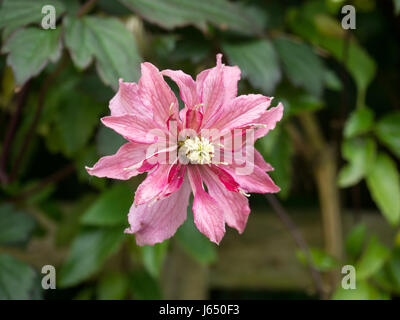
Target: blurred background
(336, 151)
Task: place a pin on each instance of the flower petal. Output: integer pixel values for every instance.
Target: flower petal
(159, 221)
(208, 216)
(257, 180)
(160, 183)
(132, 129)
(268, 118)
(157, 95)
(216, 87)
(241, 111)
(235, 205)
(127, 101)
(116, 166)
(187, 87)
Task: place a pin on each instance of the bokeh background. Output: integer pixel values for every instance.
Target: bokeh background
(336, 151)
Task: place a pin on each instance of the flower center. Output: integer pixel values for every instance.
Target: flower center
(197, 150)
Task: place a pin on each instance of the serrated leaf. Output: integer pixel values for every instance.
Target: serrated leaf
(307, 21)
(177, 13)
(301, 64)
(258, 62)
(16, 226)
(388, 131)
(18, 13)
(29, 51)
(110, 42)
(360, 153)
(16, 279)
(88, 253)
(360, 121)
(111, 207)
(383, 182)
(373, 258)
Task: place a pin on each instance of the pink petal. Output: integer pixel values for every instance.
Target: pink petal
(153, 223)
(132, 129)
(157, 95)
(241, 111)
(234, 205)
(257, 181)
(187, 87)
(116, 166)
(269, 118)
(216, 87)
(224, 177)
(194, 119)
(208, 216)
(260, 162)
(127, 101)
(160, 183)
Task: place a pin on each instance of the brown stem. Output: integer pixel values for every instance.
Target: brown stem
(301, 243)
(12, 127)
(55, 177)
(86, 7)
(324, 170)
(31, 131)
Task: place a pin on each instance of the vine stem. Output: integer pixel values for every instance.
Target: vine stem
(86, 7)
(300, 241)
(12, 127)
(55, 177)
(31, 131)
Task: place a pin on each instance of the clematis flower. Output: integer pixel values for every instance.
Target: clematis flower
(202, 149)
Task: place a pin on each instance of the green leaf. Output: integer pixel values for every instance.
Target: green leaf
(30, 50)
(16, 279)
(111, 207)
(373, 258)
(18, 13)
(177, 13)
(144, 287)
(388, 132)
(360, 153)
(394, 268)
(108, 141)
(88, 253)
(396, 4)
(307, 21)
(76, 122)
(296, 100)
(383, 182)
(360, 121)
(258, 61)
(16, 226)
(302, 66)
(355, 241)
(363, 291)
(322, 261)
(193, 242)
(277, 150)
(112, 286)
(108, 40)
(153, 257)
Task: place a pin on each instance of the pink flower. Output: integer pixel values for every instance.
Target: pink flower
(147, 115)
